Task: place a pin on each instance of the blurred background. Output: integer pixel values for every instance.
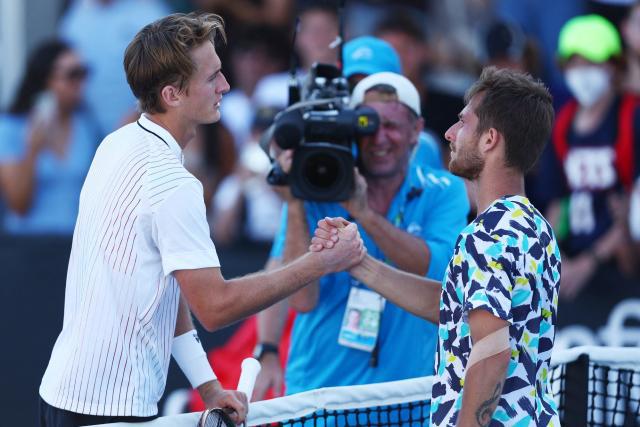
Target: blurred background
(63, 88)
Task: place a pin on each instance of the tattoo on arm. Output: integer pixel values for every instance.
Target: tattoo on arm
(484, 414)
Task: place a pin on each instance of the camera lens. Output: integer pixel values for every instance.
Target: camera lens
(322, 170)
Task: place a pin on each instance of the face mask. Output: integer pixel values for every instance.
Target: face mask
(587, 83)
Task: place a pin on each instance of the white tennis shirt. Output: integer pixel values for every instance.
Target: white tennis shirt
(141, 217)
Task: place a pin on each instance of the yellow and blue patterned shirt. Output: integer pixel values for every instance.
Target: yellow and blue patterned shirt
(507, 262)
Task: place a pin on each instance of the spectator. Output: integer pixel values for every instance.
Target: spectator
(404, 220)
(587, 172)
(630, 31)
(440, 106)
(506, 46)
(245, 205)
(242, 13)
(634, 213)
(100, 30)
(362, 56)
(369, 55)
(256, 53)
(534, 18)
(318, 28)
(47, 141)
(211, 156)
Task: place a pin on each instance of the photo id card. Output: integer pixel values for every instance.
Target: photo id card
(361, 321)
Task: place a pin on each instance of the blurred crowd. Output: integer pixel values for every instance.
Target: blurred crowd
(74, 92)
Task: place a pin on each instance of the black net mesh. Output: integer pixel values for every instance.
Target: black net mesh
(405, 414)
(595, 394)
(613, 396)
(587, 393)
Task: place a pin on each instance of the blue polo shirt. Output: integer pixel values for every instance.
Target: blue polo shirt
(431, 204)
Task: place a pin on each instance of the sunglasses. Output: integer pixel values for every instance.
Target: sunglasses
(76, 73)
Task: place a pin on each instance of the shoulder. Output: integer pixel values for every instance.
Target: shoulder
(437, 187)
(496, 220)
(431, 179)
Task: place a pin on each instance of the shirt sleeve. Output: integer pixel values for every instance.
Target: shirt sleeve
(181, 230)
(446, 215)
(277, 248)
(488, 282)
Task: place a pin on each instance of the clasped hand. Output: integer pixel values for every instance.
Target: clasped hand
(339, 239)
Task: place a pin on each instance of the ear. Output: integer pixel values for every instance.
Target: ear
(418, 127)
(490, 140)
(170, 96)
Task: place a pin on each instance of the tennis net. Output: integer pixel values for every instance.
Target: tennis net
(593, 386)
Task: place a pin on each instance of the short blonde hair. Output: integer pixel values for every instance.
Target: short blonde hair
(159, 54)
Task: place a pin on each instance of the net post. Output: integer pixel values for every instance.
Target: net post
(576, 392)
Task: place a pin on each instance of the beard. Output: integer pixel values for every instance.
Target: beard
(467, 164)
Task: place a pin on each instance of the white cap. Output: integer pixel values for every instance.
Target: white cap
(406, 91)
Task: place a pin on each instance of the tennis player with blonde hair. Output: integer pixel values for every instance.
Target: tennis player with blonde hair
(142, 256)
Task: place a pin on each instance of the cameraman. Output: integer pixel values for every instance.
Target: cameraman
(409, 216)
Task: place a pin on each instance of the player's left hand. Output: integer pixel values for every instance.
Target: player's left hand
(235, 403)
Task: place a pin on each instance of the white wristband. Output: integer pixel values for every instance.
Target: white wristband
(190, 356)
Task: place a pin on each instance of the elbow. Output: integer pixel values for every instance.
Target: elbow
(213, 323)
(214, 319)
(302, 306)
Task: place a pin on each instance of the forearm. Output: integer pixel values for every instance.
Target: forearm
(218, 302)
(414, 293)
(407, 252)
(271, 322)
(483, 384)
(296, 243)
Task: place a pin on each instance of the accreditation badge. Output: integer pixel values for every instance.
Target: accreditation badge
(361, 321)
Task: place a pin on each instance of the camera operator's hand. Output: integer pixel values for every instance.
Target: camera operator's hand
(358, 204)
(285, 159)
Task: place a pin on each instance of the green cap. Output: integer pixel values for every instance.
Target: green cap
(590, 36)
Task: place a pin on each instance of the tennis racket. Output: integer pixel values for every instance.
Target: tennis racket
(217, 417)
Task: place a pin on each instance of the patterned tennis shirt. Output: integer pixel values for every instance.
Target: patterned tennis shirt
(507, 262)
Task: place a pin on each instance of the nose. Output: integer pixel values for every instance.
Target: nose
(223, 87)
(379, 137)
(449, 134)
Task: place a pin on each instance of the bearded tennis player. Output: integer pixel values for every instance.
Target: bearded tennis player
(497, 304)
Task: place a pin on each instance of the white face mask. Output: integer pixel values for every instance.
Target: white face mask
(588, 83)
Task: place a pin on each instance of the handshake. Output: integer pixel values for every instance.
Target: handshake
(338, 245)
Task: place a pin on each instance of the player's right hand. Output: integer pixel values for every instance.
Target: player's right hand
(235, 403)
(347, 251)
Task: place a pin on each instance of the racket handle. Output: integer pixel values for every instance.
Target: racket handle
(250, 370)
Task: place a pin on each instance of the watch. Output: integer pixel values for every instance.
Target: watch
(264, 347)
